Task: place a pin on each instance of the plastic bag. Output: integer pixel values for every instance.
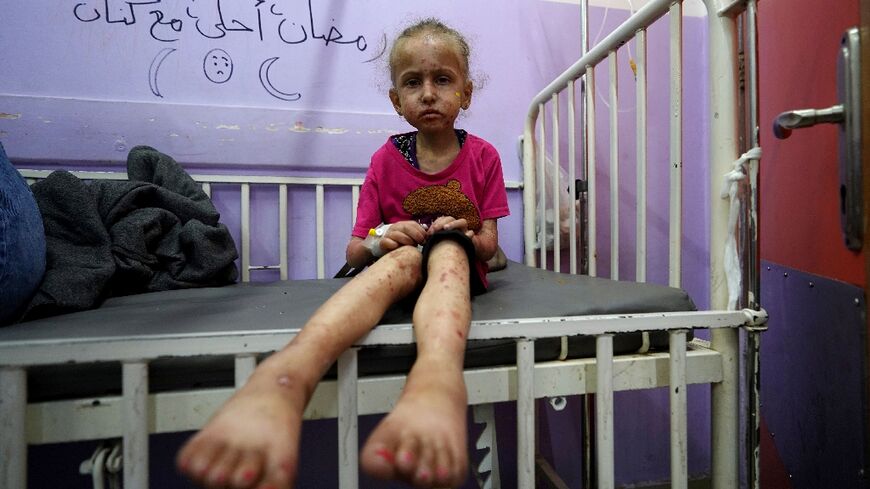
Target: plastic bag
(565, 201)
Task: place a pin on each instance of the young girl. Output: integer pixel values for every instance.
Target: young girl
(438, 187)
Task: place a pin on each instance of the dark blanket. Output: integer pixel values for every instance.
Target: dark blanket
(156, 231)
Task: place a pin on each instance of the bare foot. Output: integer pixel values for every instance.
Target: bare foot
(423, 440)
(252, 441)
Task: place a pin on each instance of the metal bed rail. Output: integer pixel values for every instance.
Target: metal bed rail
(543, 144)
(538, 140)
(245, 183)
(137, 413)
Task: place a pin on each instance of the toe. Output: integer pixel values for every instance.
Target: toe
(185, 456)
(248, 471)
(200, 459)
(424, 475)
(379, 461)
(443, 475)
(407, 457)
(277, 477)
(221, 469)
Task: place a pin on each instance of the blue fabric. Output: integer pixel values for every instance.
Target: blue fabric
(22, 243)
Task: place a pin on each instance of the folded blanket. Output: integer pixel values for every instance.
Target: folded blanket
(156, 231)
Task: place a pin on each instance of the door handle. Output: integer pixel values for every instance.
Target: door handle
(795, 119)
(848, 115)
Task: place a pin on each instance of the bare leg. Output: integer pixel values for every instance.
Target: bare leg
(423, 441)
(252, 441)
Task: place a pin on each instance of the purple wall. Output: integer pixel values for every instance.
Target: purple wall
(82, 91)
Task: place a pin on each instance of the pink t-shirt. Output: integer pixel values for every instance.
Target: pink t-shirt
(471, 187)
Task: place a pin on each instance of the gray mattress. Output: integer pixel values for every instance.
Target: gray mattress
(517, 291)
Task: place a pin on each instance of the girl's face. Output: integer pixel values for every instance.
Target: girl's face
(429, 83)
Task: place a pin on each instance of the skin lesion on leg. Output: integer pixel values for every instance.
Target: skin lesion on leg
(252, 441)
(423, 441)
(443, 313)
(387, 280)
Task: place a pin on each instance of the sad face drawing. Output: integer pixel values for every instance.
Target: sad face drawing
(218, 66)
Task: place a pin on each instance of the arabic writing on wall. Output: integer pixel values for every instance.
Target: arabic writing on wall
(287, 22)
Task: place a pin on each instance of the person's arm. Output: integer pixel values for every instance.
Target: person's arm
(356, 254)
(486, 240)
(402, 233)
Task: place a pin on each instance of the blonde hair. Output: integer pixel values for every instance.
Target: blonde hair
(433, 26)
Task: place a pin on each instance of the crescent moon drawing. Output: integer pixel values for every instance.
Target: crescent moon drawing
(155, 68)
(382, 48)
(267, 84)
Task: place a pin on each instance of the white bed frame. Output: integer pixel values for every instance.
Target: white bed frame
(137, 413)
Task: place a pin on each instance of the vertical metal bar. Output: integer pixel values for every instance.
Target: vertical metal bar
(525, 413)
(723, 151)
(614, 166)
(348, 412)
(725, 411)
(354, 199)
(542, 186)
(753, 372)
(13, 422)
(588, 446)
(753, 280)
(584, 25)
(321, 245)
(679, 411)
(529, 145)
(572, 180)
(586, 237)
(676, 144)
(604, 410)
(246, 232)
(244, 367)
(135, 418)
(641, 87)
(591, 171)
(556, 169)
(584, 47)
(206, 188)
(641, 178)
(282, 231)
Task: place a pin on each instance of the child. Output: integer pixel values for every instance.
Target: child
(438, 187)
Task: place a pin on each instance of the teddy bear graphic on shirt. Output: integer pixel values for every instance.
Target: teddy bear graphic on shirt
(428, 203)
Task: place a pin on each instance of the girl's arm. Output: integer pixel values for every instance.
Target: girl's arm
(486, 240)
(402, 233)
(356, 254)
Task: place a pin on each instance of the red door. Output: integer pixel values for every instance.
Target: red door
(812, 354)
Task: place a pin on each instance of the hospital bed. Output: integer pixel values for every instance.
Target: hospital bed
(540, 332)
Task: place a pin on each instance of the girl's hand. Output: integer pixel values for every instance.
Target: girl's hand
(447, 223)
(403, 233)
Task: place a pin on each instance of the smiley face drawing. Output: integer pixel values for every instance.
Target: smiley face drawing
(218, 66)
